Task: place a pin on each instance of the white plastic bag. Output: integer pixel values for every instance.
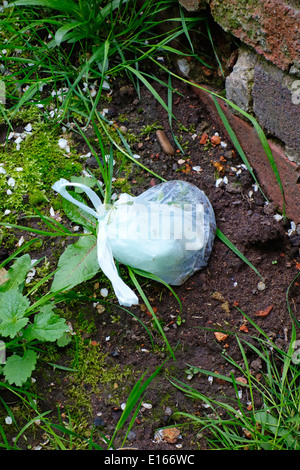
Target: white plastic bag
(168, 231)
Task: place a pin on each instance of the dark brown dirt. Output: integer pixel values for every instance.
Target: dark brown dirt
(248, 222)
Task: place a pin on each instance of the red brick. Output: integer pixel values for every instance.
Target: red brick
(271, 27)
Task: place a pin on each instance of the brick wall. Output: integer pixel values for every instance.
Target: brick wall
(265, 80)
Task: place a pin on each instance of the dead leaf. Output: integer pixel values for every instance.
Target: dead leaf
(220, 336)
(225, 307)
(247, 433)
(154, 311)
(215, 140)
(170, 435)
(241, 380)
(218, 296)
(244, 328)
(203, 139)
(219, 167)
(100, 308)
(265, 312)
(3, 276)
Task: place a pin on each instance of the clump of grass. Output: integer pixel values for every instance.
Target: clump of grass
(269, 419)
(74, 47)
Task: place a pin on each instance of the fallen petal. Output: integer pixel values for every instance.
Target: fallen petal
(265, 312)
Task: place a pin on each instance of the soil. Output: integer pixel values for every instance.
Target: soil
(249, 223)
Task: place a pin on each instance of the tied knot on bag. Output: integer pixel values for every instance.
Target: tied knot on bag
(124, 294)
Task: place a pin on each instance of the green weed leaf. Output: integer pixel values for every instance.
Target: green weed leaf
(78, 215)
(17, 273)
(47, 326)
(77, 264)
(18, 369)
(13, 306)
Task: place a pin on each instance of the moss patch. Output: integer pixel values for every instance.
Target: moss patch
(30, 168)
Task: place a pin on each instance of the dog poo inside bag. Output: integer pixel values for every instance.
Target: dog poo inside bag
(168, 231)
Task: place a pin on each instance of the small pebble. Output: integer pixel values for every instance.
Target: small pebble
(104, 292)
(261, 286)
(131, 435)
(98, 421)
(164, 143)
(148, 406)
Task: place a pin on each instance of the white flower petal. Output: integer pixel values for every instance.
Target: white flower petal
(104, 292)
(11, 182)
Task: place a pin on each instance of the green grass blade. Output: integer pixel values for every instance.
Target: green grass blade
(253, 121)
(147, 303)
(153, 277)
(214, 49)
(230, 245)
(135, 395)
(67, 6)
(41, 232)
(127, 154)
(236, 144)
(25, 97)
(184, 27)
(150, 88)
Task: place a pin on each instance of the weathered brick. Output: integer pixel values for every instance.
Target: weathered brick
(269, 93)
(271, 27)
(251, 144)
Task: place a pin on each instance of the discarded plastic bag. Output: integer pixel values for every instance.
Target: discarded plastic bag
(167, 231)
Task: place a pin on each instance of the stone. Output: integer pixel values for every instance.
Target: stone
(193, 5)
(164, 143)
(170, 435)
(239, 83)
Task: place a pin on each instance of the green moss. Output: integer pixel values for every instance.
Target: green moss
(96, 375)
(34, 168)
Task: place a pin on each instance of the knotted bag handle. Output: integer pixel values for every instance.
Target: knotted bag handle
(124, 294)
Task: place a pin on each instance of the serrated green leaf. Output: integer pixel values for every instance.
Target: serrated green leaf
(17, 273)
(13, 306)
(78, 215)
(86, 180)
(64, 340)
(18, 369)
(77, 264)
(47, 326)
